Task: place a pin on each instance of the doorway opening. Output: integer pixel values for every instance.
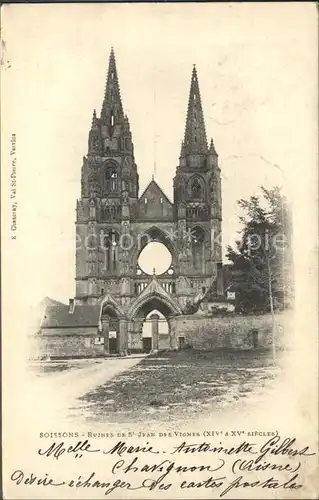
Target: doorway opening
(110, 327)
(113, 342)
(155, 331)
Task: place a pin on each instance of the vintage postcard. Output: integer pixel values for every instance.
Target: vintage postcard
(159, 250)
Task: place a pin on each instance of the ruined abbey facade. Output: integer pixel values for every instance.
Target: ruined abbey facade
(115, 221)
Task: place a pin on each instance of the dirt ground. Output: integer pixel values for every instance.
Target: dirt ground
(179, 385)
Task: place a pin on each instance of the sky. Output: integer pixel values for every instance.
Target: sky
(257, 69)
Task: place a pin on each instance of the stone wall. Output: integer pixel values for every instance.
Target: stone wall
(135, 343)
(153, 204)
(233, 331)
(198, 331)
(72, 342)
(163, 341)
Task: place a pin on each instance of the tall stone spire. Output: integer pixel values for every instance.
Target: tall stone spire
(112, 110)
(95, 135)
(195, 134)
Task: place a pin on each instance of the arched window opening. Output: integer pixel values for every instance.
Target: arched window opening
(111, 179)
(198, 235)
(112, 120)
(112, 212)
(110, 247)
(155, 258)
(198, 249)
(196, 189)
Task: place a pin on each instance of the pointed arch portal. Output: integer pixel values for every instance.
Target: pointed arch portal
(155, 302)
(154, 297)
(110, 325)
(145, 311)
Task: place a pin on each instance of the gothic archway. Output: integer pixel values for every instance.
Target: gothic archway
(141, 309)
(109, 304)
(157, 302)
(156, 235)
(154, 297)
(110, 325)
(155, 332)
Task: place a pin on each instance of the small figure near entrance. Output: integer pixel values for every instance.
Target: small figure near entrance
(147, 344)
(254, 336)
(181, 343)
(113, 349)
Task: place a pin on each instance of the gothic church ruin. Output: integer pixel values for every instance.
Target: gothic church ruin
(115, 222)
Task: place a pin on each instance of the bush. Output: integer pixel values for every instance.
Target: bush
(220, 311)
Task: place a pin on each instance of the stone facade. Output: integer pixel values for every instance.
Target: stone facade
(197, 331)
(114, 223)
(233, 331)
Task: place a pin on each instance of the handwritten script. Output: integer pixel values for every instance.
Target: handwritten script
(275, 464)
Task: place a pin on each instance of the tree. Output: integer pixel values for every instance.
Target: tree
(262, 259)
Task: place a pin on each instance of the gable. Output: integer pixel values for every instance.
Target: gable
(153, 204)
(154, 290)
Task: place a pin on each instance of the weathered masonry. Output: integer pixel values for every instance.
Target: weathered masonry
(115, 222)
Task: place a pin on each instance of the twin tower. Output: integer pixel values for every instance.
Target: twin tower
(115, 222)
